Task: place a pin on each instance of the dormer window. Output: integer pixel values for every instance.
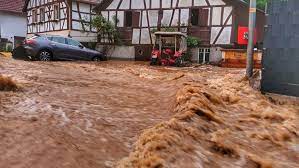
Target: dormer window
(56, 12)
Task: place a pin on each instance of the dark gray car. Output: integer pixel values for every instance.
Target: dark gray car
(47, 48)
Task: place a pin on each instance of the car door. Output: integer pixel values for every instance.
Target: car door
(59, 47)
(76, 50)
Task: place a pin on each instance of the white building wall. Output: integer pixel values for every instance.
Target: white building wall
(220, 28)
(12, 25)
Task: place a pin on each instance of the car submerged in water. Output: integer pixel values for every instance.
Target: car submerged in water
(50, 47)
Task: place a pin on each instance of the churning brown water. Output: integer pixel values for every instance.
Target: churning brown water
(125, 114)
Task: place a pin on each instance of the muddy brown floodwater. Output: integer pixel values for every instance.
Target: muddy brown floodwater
(85, 115)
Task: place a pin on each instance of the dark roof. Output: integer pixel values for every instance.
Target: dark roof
(14, 6)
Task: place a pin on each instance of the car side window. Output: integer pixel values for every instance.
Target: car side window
(50, 38)
(73, 42)
(59, 40)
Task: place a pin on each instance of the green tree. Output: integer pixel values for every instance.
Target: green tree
(106, 29)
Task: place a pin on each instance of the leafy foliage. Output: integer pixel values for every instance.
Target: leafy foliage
(193, 41)
(106, 29)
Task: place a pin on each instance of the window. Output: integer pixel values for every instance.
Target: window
(50, 38)
(56, 12)
(42, 14)
(203, 55)
(34, 16)
(195, 17)
(73, 42)
(59, 40)
(128, 18)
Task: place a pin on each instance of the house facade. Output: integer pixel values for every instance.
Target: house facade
(69, 18)
(214, 22)
(12, 23)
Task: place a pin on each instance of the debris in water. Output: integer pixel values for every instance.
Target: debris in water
(7, 84)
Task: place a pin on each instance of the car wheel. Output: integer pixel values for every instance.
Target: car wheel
(96, 59)
(45, 55)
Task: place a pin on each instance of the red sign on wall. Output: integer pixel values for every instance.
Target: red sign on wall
(243, 36)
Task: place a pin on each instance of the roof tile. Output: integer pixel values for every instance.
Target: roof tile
(15, 6)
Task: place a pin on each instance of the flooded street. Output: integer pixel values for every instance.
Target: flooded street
(77, 114)
(85, 115)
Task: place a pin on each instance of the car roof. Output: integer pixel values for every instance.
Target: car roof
(51, 35)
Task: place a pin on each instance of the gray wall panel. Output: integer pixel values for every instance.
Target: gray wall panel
(281, 55)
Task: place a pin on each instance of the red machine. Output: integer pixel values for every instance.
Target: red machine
(169, 49)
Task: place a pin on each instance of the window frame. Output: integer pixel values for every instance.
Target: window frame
(34, 16)
(126, 19)
(42, 15)
(197, 10)
(56, 12)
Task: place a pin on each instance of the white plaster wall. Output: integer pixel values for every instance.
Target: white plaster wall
(200, 3)
(226, 12)
(114, 4)
(174, 2)
(12, 25)
(77, 25)
(135, 37)
(75, 15)
(184, 17)
(214, 33)
(216, 2)
(111, 15)
(125, 4)
(63, 33)
(147, 4)
(166, 17)
(120, 17)
(145, 36)
(224, 37)
(84, 7)
(166, 4)
(119, 52)
(153, 17)
(216, 20)
(175, 19)
(137, 4)
(83, 36)
(185, 3)
(105, 14)
(215, 54)
(155, 3)
(144, 19)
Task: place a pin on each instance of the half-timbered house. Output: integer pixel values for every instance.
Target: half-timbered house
(61, 17)
(214, 22)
